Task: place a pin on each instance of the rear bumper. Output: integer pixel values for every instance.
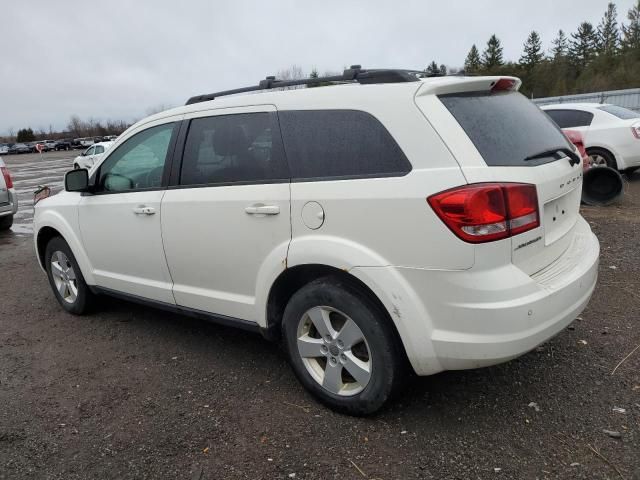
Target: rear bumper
(475, 318)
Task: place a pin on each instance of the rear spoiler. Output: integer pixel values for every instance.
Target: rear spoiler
(452, 84)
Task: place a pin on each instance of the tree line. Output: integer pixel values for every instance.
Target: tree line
(593, 58)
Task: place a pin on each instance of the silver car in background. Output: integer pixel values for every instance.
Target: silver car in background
(8, 198)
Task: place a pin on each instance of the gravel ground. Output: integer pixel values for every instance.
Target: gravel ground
(130, 392)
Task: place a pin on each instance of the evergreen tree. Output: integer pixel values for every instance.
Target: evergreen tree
(492, 55)
(583, 45)
(443, 69)
(25, 135)
(433, 69)
(532, 55)
(314, 73)
(472, 62)
(608, 33)
(631, 32)
(560, 46)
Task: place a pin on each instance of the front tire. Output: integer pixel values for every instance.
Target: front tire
(66, 279)
(6, 222)
(342, 346)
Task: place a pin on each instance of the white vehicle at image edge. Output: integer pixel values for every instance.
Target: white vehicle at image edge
(91, 155)
(611, 133)
(430, 224)
(8, 198)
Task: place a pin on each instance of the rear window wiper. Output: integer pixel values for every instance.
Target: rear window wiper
(574, 158)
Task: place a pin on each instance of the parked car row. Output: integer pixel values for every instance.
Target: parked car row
(51, 145)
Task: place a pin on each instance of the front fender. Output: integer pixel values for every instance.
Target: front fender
(64, 222)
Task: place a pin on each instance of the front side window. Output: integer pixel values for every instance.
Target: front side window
(138, 163)
(325, 144)
(89, 151)
(223, 149)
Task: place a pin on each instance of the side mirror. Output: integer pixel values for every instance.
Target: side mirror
(77, 180)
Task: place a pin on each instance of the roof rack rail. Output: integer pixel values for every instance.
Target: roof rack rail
(355, 73)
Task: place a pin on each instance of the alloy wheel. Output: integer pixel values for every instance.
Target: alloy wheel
(64, 277)
(598, 160)
(334, 351)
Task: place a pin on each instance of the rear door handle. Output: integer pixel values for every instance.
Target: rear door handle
(260, 209)
(143, 210)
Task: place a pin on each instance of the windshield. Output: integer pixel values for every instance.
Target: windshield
(506, 128)
(620, 112)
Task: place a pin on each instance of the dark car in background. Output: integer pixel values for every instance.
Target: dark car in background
(19, 148)
(65, 144)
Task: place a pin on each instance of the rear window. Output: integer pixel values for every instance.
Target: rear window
(570, 118)
(335, 144)
(506, 128)
(620, 112)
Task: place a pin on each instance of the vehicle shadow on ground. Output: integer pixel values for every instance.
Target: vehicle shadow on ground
(448, 396)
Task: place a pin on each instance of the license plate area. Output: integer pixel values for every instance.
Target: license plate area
(560, 215)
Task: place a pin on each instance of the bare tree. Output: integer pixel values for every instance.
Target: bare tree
(161, 107)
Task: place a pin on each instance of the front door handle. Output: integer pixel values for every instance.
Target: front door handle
(260, 209)
(144, 210)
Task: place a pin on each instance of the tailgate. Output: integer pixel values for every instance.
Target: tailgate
(500, 136)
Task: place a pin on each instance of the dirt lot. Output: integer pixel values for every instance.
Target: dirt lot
(135, 393)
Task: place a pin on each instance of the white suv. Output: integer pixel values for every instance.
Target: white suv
(395, 221)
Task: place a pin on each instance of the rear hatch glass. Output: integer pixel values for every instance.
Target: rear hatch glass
(519, 143)
(506, 128)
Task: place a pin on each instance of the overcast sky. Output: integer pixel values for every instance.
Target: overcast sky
(121, 58)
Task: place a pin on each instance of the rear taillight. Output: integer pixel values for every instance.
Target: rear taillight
(484, 212)
(635, 129)
(504, 84)
(7, 177)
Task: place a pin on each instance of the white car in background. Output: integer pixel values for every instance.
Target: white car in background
(611, 133)
(91, 155)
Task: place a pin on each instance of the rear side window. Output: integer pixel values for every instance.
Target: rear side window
(334, 144)
(570, 118)
(506, 128)
(226, 149)
(620, 112)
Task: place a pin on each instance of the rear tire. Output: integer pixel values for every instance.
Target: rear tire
(66, 279)
(602, 158)
(342, 347)
(6, 222)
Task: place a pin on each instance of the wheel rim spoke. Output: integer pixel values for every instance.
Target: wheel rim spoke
(358, 369)
(350, 334)
(62, 288)
(71, 274)
(320, 318)
(64, 277)
(333, 378)
(73, 291)
(310, 347)
(56, 269)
